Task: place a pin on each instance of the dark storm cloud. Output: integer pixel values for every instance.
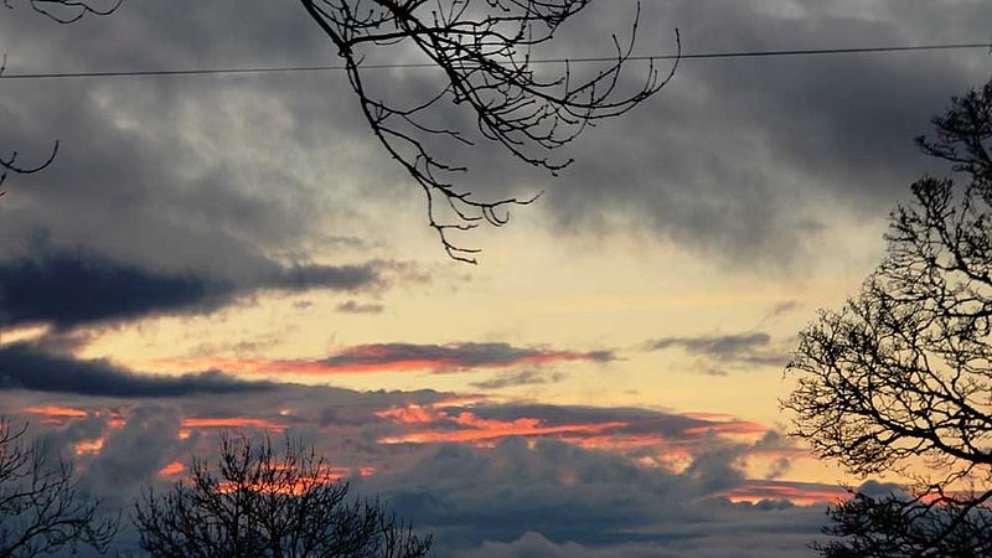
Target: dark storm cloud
(24, 367)
(70, 289)
(175, 204)
(469, 495)
(736, 156)
(560, 490)
(132, 456)
(733, 158)
(743, 348)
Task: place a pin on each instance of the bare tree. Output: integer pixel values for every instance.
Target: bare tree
(42, 510)
(483, 51)
(901, 527)
(64, 12)
(258, 502)
(900, 379)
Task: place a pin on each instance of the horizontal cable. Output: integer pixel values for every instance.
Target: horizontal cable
(578, 60)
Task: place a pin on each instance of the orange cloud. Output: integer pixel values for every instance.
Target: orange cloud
(402, 357)
(411, 414)
(52, 411)
(57, 415)
(297, 484)
(88, 446)
(476, 429)
(801, 494)
(172, 469)
(667, 441)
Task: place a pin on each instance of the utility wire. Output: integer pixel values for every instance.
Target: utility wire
(578, 60)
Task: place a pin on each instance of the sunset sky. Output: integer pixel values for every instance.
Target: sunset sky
(211, 252)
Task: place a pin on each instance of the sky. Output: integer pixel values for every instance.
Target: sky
(213, 252)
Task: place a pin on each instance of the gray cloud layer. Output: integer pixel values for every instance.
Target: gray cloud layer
(743, 348)
(454, 356)
(213, 173)
(477, 500)
(29, 368)
(67, 289)
(522, 378)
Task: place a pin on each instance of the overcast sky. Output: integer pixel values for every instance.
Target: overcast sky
(208, 251)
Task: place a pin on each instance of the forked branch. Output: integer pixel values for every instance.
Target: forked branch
(69, 11)
(60, 11)
(483, 49)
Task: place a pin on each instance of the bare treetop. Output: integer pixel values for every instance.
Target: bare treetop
(42, 509)
(900, 379)
(484, 50)
(261, 502)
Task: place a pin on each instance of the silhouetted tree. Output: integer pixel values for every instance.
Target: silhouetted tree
(900, 379)
(903, 527)
(60, 11)
(483, 52)
(42, 510)
(257, 502)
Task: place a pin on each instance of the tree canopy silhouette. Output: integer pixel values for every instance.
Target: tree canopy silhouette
(42, 510)
(900, 378)
(256, 502)
(483, 53)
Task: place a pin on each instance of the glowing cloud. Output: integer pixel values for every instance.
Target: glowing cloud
(296, 484)
(799, 493)
(171, 470)
(88, 446)
(474, 429)
(57, 412)
(406, 357)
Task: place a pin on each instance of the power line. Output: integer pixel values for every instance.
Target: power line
(686, 56)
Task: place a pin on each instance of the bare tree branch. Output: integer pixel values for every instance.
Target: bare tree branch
(42, 510)
(69, 11)
(900, 378)
(64, 12)
(483, 49)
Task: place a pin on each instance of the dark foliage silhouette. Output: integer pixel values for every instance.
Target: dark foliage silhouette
(259, 502)
(42, 510)
(899, 379)
(902, 527)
